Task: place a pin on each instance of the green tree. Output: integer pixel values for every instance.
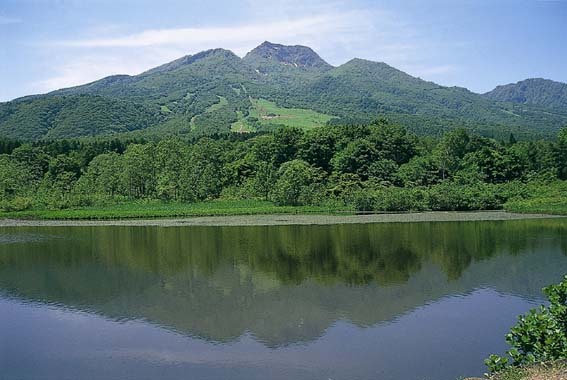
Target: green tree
(450, 151)
(393, 142)
(172, 156)
(420, 171)
(317, 147)
(355, 158)
(383, 171)
(496, 163)
(104, 176)
(33, 158)
(286, 141)
(562, 154)
(139, 170)
(15, 179)
(297, 183)
(204, 175)
(264, 179)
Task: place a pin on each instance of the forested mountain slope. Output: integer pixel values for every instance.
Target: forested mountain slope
(535, 91)
(216, 92)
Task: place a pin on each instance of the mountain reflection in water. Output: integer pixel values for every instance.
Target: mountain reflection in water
(286, 288)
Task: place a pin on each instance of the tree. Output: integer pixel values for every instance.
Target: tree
(104, 176)
(496, 163)
(264, 179)
(317, 147)
(562, 154)
(383, 171)
(451, 150)
(34, 159)
(420, 171)
(15, 179)
(139, 170)
(204, 174)
(57, 185)
(355, 158)
(393, 142)
(172, 156)
(286, 141)
(297, 183)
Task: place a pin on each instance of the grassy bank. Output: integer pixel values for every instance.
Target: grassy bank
(159, 209)
(531, 198)
(546, 199)
(555, 371)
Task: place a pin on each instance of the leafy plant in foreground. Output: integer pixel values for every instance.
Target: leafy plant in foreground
(540, 335)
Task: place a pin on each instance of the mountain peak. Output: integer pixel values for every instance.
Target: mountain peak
(294, 56)
(533, 91)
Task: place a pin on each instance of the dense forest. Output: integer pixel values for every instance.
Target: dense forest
(380, 167)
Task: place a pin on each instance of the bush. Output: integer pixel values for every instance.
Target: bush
(17, 204)
(449, 196)
(400, 199)
(540, 335)
(364, 200)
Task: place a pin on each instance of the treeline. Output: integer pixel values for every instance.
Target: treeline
(370, 167)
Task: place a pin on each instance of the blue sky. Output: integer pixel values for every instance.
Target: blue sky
(478, 44)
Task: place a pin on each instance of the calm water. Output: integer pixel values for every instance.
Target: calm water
(384, 301)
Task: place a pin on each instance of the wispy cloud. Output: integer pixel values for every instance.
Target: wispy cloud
(337, 34)
(93, 58)
(298, 29)
(85, 69)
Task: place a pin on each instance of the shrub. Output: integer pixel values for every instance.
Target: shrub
(400, 199)
(452, 197)
(17, 204)
(540, 335)
(364, 200)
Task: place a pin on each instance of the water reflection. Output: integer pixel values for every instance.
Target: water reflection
(284, 284)
(288, 288)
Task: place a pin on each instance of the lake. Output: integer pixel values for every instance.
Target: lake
(398, 301)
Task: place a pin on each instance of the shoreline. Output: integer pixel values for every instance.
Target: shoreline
(287, 219)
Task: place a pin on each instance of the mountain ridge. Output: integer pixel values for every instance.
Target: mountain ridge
(212, 91)
(533, 91)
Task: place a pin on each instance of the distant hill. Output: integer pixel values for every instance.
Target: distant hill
(539, 92)
(216, 92)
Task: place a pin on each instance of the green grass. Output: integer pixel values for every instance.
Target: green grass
(159, 209)
(222, 102)
(268, 113)
(547, 199)
(240, 125)
(553, 206)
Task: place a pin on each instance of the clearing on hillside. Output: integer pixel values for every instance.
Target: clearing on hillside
(269, 114)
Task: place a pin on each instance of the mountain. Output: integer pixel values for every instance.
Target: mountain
(216, 92)
(537, 91)
(270, 57)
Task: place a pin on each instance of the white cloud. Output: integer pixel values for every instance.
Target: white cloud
(294, 29)
(337, 34)
(92, 59)
(86, 69)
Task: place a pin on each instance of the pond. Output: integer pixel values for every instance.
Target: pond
(398, 301)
